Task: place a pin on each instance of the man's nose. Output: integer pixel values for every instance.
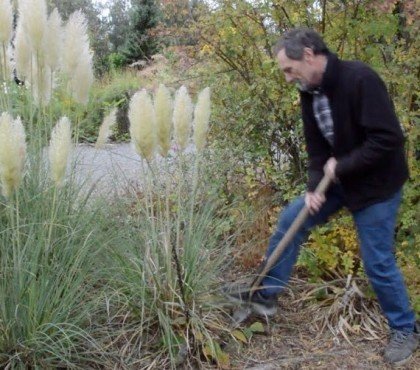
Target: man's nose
(289, 78)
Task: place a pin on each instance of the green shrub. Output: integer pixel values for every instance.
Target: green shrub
(116, 61)
(112, 91)
(257, 115)
(332, 250)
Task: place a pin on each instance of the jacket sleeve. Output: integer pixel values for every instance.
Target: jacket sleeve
(317, 147)
(379, 122)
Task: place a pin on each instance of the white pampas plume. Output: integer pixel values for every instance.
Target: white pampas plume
(41, 82)
(142, 124)
(163, 111)
(82, 79)
(201, 118)
(33, 14)
(105, 129)
(53, 40)
(6, 65)
(12, 153)
(76, 61)
(182, 117)
(6, 21)
(76, 42)
(59, 150)
(22, 53)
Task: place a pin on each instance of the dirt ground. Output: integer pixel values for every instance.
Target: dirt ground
(290, 341)
(293, 341)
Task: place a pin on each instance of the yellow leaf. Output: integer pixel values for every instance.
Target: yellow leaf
(257, 327)
(223, 360)
(239, 335)
(179, 321)
(212, 351)
(198, 335)
(207, 352)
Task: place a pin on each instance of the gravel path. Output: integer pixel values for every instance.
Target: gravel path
(112, 170)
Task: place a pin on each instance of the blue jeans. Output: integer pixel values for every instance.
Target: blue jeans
(375, 227)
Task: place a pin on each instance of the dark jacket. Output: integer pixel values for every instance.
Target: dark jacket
(368, 140)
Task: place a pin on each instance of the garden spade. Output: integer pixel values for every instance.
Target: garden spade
(243, 312)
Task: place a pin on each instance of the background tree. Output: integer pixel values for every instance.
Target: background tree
(118, 23)
(176, 23)
(143, 16)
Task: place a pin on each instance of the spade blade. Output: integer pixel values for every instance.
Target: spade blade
(241, 314)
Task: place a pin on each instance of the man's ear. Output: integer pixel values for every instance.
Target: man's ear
(308, 54)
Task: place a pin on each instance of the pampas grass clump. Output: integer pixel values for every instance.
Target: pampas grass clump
(201, 118)
(143, 124)
(182, 117)
(105, 129)
(59, 150)
(12, 153)
(44, 47)
(163, 109)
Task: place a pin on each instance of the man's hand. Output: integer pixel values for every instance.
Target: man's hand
(314, 201)
(329, 168)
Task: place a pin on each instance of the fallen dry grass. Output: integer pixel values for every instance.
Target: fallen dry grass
(295, 339)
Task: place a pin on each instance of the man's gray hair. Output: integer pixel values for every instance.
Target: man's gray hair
(296, 40)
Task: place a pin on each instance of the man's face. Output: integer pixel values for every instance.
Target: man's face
(301, 72)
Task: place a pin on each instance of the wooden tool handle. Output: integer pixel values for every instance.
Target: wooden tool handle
(288, 236)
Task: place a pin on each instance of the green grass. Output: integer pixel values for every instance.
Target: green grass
(114, 90)
(49, 241)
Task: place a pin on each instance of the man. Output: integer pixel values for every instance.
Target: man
(353, 136)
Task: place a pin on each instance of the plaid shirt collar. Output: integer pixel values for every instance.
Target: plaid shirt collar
(322, 113)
